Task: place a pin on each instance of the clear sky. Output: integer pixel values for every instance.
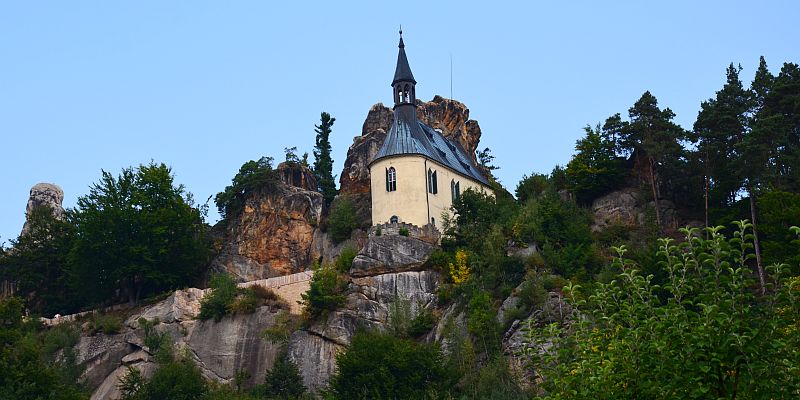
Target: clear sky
(205, 86)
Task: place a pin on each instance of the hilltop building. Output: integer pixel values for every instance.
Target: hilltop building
(417, 173)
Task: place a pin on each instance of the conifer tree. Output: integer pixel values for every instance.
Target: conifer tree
(323, 163)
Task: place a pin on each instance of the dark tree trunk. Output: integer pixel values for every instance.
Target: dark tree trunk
(756, 244)
(655, 191)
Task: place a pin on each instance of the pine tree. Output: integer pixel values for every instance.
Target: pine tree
(323, 163)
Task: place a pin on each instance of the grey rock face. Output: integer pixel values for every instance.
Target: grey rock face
(369, 302)
(629, 207)
(390, 253)
(45, 195)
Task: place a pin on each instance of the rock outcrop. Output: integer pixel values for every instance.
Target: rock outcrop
(449, 116)
(220, 349)
(45, 195)
(275, 234)
(629, 207)
(382, 281)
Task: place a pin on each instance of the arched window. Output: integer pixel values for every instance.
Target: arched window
(391, 179)
(394, 219)
(433, 221)
(432, 186)
(455, 190)
(402, 94)
(406, 93)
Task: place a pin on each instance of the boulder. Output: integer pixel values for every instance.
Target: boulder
(44, 195)
(629, 207)
(390, 253)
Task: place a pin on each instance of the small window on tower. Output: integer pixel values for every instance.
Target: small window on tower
(391, 179)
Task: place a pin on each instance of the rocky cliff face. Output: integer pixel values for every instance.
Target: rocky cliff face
(45, 195)
(277, 232)
(383, 279)
(629, 207)
(449, 116)
(220, 349)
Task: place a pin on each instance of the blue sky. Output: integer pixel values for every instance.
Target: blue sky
(205, 86)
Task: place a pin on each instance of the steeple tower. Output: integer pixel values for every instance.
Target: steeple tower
(403, 84)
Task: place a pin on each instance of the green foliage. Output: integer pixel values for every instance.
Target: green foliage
(104, 323)
(159, 343)
(38, 264)
(325, 293)
(342, 219)
(779, 211)
(27, 371)
(216, 304)
(345, 259)
(482, 323)
(531, 187)
(177, 380)
(136, 234)
(561, 228)
(403, 232)
(245, 303)
(595, 169)
(493, 381)
(380, 366)
(712, 336)
(252, 176)
(283, 381)
(281, 330)
(323, 163)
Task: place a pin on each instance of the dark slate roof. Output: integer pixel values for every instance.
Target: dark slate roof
(403, 71)
(417, 138)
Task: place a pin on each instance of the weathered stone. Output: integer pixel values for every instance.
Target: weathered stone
(100, 355)
(629, 207)
(315, 357)
(232, 344)
(297, 175)
(108, 390)
(449, 116)
(181, 305)
(272, 236)
(44, 195)
(390, 253)
(136, 357)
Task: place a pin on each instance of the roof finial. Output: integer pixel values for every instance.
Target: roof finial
(401, 31)
(401, 45)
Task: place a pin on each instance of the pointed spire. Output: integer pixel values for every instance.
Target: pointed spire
(402, 72)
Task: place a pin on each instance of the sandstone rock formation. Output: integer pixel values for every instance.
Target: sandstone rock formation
(275, 234)
(449, 116)
(45, 195)
(220, 349)
(629, 207)
(381, 280)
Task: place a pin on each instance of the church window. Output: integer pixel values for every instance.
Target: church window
(433, 221)
(432, 186)
(391, 179)
(393, 219)
(455, 190)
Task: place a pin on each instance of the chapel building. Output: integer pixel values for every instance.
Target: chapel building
(418, 173)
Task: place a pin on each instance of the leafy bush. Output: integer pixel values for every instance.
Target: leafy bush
(403, 232)
(421, 324)
(380, 366)
(482, 322)
(325, 293)
(177, 380)
(264, 293)
(345, 259)
(459, 270)
(104, 323)
(245, 303)
(223, 293)
(342, 219)
(252, 176)
(712, 336)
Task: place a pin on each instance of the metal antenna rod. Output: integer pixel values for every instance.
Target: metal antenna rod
(451, 76)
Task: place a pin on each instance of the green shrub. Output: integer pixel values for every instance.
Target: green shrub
(378, 231)
(345, 259)
(421, 324)
(177, 380)
(325, 293)
(403, 232)
(245, 303)
(264, 293)
(283, 381)
(380, 366)
(482, 322)
(342, 219)
(252, 176)
(215, 304)
(158, 343)
(104, 323)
